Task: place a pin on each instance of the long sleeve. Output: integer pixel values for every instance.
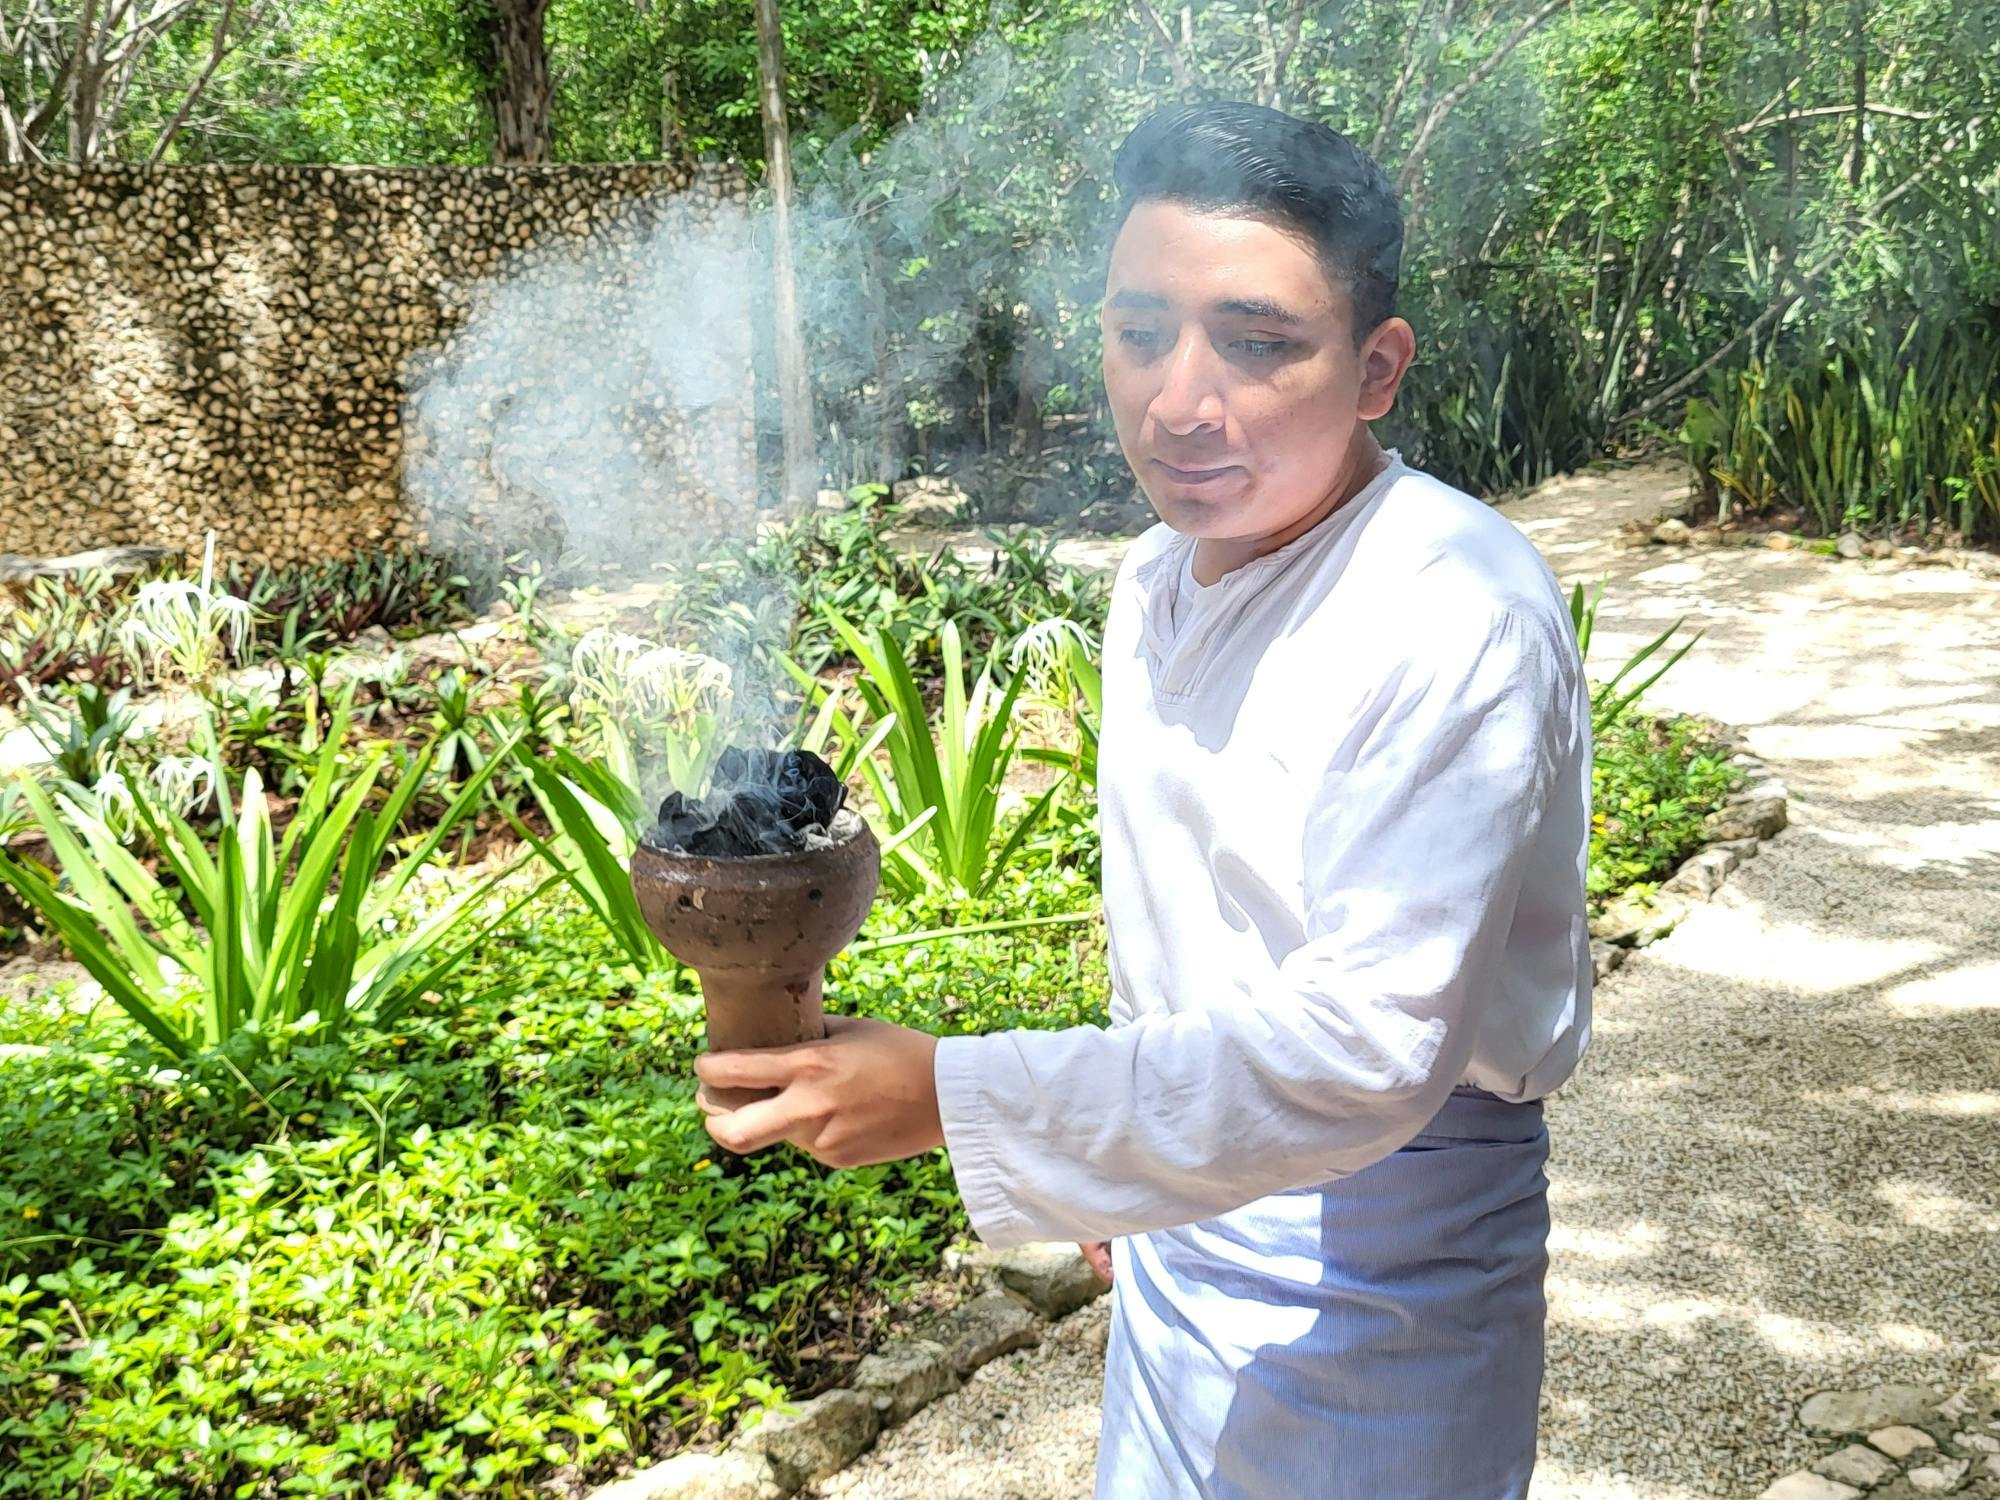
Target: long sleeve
(1414, 846)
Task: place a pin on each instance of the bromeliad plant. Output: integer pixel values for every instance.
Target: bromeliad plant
(298, 936)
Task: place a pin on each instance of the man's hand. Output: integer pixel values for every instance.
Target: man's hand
(1097, 1254)
(865, 1094)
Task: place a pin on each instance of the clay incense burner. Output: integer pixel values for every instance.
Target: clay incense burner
(759, 929)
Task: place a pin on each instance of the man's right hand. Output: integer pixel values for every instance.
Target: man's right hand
(1098, 1254)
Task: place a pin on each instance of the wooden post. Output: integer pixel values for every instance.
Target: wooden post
(794, 388)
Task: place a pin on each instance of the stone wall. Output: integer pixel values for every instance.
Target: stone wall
(230, 348)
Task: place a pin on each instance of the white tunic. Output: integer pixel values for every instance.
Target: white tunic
(1345, 813)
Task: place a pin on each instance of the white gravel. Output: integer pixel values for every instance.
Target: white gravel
(1775, 1172)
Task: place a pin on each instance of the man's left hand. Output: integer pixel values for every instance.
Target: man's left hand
(865, 1094)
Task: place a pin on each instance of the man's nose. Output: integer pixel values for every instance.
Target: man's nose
(1190, 397)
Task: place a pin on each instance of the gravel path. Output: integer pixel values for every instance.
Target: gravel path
(1775, 1172)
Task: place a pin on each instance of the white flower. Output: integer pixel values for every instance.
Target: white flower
(184, 782)
(1042, 650)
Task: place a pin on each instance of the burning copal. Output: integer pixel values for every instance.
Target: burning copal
(755, 887)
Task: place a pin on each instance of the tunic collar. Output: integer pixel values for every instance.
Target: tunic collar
(1159, 577)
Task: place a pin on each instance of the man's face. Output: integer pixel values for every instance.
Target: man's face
(1231, 366)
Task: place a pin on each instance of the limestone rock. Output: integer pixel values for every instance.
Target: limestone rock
(984, 1329)
(1850, 545)
(1628, 923)
(820, 1438)
(1856, 1464)
(1881, 548)
(904, 1377)
(15, 568)
(697, 1476)
(1779, 541)
(1701, 876)
(1761, 819)
(1605, 958)
(1053, 1279)
(1806, 1485)
(1672, 532)
(1866, 1410)
(930, 500)
(1940, 1475)
(1899, 1441)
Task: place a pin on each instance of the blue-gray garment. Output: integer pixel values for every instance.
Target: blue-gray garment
(1379, 1338)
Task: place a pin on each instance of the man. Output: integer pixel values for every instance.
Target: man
(1344, 781)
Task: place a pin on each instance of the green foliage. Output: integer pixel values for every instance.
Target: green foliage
(312, 607)
(940, 789)
(249, 936)
(847, 563)
(83, 730)
(62, 630)
(459, 1257)
(1881, 432)
(1652, 783)
(1608, 703)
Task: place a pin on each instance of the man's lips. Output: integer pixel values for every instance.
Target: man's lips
(1195, 476)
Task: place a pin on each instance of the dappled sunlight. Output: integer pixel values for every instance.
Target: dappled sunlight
(1606, 1245)
(1746, 941)
(1920, 1206)
(1911, 846)
(1953, 1105)
(1974, 987)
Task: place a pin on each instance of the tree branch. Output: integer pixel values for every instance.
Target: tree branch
(1183, 78)
(1784, 301)
(1440, 111)
(1766, 122)
(1294, 27)
(1406, 71)
(217, 51)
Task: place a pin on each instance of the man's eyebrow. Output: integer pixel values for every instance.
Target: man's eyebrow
(1260, 308)
(1146, 301)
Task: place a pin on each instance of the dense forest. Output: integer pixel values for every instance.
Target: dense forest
(1768, 230)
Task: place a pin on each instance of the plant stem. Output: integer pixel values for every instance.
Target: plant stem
(905, 939)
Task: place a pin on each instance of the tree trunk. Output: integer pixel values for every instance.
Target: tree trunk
(517, 80)
(888, 403)
(1859, 152)
(794, 389)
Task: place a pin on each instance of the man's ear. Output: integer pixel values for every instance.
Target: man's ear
(1385, 359)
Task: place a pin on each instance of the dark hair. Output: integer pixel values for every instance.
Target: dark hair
(1262, 163)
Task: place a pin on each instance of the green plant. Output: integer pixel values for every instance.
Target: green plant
(83, 744)
(186, 629)
(1607, 703)
(941, 788)
(323, 604)
(1877, 431)
(486, 1251)
(670, 704)
(455, 722)
(264, 943)
(1059, 660)
(60, 631)
(1653, 782)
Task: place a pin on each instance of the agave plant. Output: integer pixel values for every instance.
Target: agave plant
(1608, 704)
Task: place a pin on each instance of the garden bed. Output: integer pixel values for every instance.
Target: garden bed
(477, 1239)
